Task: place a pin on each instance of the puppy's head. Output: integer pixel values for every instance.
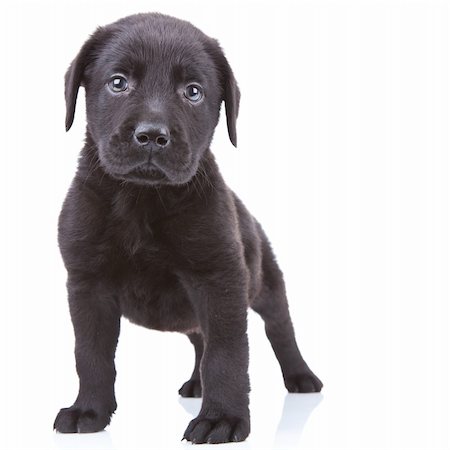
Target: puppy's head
(154, 86)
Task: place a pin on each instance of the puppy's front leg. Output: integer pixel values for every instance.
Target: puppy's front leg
(96, 320)
(221, 307)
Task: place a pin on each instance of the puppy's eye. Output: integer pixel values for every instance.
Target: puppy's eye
(118, 83)
(193, 93)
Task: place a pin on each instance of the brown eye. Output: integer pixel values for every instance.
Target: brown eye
(193, 93)
(118, 83)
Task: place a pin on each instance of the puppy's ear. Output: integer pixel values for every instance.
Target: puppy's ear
(76, 70)
(230, 90)
(232, 96)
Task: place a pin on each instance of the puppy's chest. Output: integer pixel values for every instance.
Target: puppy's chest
(138, 241)
(137, 229)
(150, 292)
(140, 247)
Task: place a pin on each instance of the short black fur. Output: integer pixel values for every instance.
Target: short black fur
(154, 234)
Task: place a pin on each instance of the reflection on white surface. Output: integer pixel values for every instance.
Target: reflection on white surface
(191, 405)
(84, 441)
(296, 411)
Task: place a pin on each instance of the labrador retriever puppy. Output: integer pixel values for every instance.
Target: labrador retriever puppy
(150, 231)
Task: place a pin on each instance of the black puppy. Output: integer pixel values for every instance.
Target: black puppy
(150, 231)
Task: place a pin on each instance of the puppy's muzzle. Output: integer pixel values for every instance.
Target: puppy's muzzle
(151, 136)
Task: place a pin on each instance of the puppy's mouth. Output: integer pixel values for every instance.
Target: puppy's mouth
(131, 167)
(145, 174)
(176, 165)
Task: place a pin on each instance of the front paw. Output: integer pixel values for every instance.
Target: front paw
(77, 420)
(305, 382)
(204, 429)
(192, 388)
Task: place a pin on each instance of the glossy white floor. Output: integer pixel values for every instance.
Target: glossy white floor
(284, 433)
(369, 401)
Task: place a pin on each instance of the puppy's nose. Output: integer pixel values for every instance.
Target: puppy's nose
(148, 133)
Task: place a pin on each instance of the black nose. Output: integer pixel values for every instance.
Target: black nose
(147, 133)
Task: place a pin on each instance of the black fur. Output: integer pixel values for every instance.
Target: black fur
(155, 235)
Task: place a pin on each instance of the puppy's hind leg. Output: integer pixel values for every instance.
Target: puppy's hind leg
(271, 304)
(193, 387)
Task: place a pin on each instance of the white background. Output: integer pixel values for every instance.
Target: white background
(343, 157)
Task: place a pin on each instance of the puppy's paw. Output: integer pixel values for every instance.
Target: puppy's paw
(217, 430)
(77, 420)
(192, 388)
(305, 382)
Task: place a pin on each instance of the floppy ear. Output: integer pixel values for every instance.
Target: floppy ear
(76, 70)
(232, 97)
(230, 90)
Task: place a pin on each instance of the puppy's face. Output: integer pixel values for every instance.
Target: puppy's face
(154, 86)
